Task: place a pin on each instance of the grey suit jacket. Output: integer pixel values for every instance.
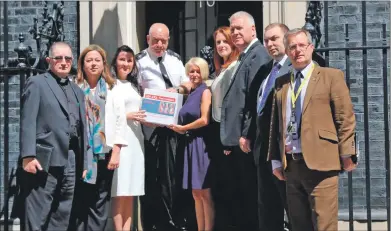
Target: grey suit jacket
(262, 120)
(239, 102)
(45, 126)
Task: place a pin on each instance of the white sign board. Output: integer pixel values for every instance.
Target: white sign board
(161, 107)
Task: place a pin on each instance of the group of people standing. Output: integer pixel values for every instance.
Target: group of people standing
(268, 134)
(75, 132)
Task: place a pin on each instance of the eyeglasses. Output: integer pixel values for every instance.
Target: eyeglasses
(60, 58)
(300, 47)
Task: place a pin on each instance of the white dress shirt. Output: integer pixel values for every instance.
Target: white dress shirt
(249, 45)
(296, 144)
(281, 62)
(150, 75)
(243, 53)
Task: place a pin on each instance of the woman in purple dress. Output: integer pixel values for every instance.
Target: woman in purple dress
(193, 119)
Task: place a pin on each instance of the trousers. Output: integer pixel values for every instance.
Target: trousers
(48, 197)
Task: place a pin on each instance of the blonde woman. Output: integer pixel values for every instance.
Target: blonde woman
(193, 120)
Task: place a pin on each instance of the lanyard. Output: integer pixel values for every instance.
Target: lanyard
(293, 95)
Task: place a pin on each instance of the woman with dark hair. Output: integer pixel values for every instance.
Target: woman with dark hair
(124, 64)
(92, 197)
(124, 135)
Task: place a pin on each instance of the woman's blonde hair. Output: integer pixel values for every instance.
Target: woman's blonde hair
(106, 70)
(200, 63)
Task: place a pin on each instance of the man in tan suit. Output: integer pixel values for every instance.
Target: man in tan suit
(312, 134)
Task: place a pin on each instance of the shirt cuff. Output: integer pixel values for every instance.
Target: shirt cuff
(276, 164)
(346, 156)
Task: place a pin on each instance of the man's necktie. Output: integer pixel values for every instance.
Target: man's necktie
(268, 87)
(241, 56)
(298, 78)
(163, 70)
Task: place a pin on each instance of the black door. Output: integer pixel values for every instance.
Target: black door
(192, 24)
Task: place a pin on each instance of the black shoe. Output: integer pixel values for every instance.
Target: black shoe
(169, 226)
(153, 228)
(286, 226)
(181, 225)
(177, 227)
(181, 228)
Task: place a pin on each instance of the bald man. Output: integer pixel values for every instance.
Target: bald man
(160, 68)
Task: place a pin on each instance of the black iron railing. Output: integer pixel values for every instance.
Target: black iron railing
(23, 67)
(384, 48)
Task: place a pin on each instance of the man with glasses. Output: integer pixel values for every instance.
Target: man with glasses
(312, 133)
(53, 143)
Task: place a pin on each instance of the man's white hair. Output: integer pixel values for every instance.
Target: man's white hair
(243, 14)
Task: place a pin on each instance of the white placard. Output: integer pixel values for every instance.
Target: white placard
(161, 107)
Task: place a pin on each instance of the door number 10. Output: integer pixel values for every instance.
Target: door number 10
(208, 3)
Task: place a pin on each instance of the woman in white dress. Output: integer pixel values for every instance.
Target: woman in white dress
(124, 135)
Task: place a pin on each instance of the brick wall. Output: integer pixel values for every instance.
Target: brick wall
(377, 13)
(20, 18)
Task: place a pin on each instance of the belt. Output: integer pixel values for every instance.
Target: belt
(294, 156)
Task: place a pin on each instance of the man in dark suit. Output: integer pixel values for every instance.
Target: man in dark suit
(271, 191)
(238, 107)
(312, 135)
(53, 143)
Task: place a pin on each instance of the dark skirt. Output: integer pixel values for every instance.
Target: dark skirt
(196, 167)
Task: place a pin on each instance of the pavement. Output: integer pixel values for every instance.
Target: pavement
(362, 226)
(342, 226)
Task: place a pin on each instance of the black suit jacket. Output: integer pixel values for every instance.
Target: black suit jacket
(45, 127)
(238, 103)
(261, 121)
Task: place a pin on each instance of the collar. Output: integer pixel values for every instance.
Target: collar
(305, 70)
(60, 81)
(282, 61)
(249, 45)
(153, 56)
(121, 81)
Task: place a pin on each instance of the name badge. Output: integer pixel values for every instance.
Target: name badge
(292, 130)
(293, 117)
